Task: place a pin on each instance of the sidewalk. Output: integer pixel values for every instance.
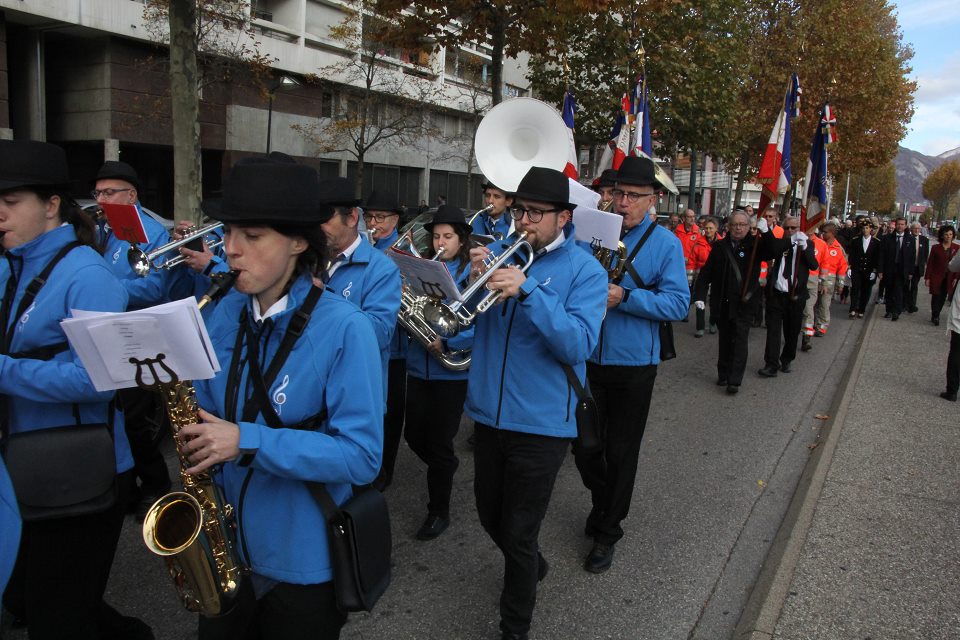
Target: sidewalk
(869, 548)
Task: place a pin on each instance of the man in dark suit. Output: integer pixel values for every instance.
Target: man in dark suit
(921, 252)
(786, 294)
(863, 255)
(732, 274)
(898, 255)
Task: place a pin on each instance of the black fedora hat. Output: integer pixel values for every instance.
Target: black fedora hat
(380, 200)
(338, 192)
(607, 179)
(545, 185)
(639, 171)
(486, 184)
(116, 170)
(448, 214)
(29, 163)
(264, 191)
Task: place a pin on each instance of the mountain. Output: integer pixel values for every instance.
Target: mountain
(913, 168)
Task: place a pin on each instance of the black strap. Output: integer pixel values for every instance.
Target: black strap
(582, 393)
(633, 254)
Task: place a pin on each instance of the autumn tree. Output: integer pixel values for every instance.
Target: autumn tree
(942, 186)
(876, 189)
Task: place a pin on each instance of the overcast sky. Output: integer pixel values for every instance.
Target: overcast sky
(932, 27)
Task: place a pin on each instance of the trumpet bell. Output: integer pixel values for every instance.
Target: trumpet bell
(139, 261)
(518, 134)
(441, 319)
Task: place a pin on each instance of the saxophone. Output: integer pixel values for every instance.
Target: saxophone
(192, 529)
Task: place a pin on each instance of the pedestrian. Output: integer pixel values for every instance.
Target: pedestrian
(941, 281)
(864, 261)
(897, 260)
(953, 359)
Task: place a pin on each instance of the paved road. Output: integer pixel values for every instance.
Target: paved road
(716, 475)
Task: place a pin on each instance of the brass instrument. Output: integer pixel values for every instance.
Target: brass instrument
(614, 262)
(192, 529)
(479, 213)
(143, 263)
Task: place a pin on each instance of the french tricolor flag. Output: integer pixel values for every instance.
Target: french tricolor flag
(569, 108)
(775, 172)
(642, 141)
(815, 182)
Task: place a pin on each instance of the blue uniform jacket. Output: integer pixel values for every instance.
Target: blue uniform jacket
(420, 363)
(142, 292)
(500, 228)
(333, 366)
(516, 378)
(42, 392)
(9, 527)
(630, 335)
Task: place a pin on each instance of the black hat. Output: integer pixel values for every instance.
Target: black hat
(607, 179)
(486, 184)
(116, 170)
(264, 191)
(639, 171)
(545, 185)
(338, 192)
(448, 214)
(380, 200)
(28, 163)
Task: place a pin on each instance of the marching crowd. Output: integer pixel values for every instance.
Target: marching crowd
(320, 383)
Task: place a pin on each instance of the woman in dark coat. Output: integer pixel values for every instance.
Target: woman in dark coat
(942, 282)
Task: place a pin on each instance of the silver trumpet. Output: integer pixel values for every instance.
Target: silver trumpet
(449, 319)
(143, 263)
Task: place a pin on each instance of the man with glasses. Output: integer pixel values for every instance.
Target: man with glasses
(367, 278)
(381, 214)
(770, 215)
(496, 223)
(623, 368)
(786, 294)
(731, 274)
(518, 393)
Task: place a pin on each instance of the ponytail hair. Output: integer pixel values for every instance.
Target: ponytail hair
(83, 225)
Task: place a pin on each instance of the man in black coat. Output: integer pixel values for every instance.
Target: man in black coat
(786, 294)
(921, 252)
(898, 255)
(863, 258)
(732, 274)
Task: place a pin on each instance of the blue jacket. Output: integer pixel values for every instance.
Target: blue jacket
(333, 366)
(400, 340)
(516, 378)
(500, 228)
(420, 363)
(142, 292)
(630, 335)
(42, 393)
(9, 527)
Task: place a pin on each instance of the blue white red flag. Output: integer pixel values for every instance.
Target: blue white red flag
(569, 108)
(775, 172)
(814, 196)
(642, 142)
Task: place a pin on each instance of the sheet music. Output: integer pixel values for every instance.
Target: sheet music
(429, 277)
(597, 227)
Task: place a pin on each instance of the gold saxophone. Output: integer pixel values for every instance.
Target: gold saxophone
(192, 529)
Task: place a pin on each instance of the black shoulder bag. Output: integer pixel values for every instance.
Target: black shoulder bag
(358, 532)
(668, 349)
(56, 472)
(588, 417)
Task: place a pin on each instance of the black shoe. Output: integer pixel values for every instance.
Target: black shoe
(433, 526)
(600, 558)
(733, 389)
(785, 367)
(895, 317)
(768, 371)
(114, 626)
(543, 567)
(952, 397)
(936, 322)
(722, 382)
(887, 315)
(914, 309)
(509, 635)
(805, 344)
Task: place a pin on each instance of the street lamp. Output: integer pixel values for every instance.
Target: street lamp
(277, 84)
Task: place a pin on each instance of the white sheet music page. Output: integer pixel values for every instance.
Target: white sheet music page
(105, 343)
(426, 276)
(597, 227)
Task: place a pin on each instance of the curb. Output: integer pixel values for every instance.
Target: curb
(762, 611)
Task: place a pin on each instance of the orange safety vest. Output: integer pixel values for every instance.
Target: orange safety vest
(819, 250)
(834, 262)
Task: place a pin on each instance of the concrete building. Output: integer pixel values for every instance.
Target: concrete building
(87, 75)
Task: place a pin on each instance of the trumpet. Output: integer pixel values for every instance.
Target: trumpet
(449, 319)
(143, 263)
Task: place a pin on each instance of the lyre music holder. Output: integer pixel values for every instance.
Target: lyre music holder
(151, 364)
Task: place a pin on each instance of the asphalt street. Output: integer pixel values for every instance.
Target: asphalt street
(716, 476)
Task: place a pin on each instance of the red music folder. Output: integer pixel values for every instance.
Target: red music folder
(125, 222)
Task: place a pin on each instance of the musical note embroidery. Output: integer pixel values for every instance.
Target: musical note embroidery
(346, 292)
(116, 256)
(279, 397)
(26, 315)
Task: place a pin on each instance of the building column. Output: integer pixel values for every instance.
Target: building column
(37, 95)
(111, 149)
(343, 167)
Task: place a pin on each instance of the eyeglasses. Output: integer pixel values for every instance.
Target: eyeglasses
(533, 215)
(378, 217)
(96, 193)
(630, 196)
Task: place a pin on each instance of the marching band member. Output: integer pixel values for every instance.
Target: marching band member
(435, 394)
(63, 563)
(381, 213)
(495, 223)
(327, 395)
(605, 186)
(623, 368)
(367, 278)
(550, 316)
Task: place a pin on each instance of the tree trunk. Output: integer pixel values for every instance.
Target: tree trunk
(741, 177)
(499, 39)
(185, 110)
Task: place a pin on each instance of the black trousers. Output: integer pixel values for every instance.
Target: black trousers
(734, 334)
(513, 482)
(860, 287)
(893, 294)
(911, 288)
(784, 320)
(623, 397)
(953, 364)
(433, 415)
(146, 425)
(62, 570)
(393, 419)
(938, 299)
(286, 612)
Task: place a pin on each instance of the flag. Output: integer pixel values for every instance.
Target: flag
(642, 143)
(606, 158)
(815, 181)
(621, 147)
(569, 108)
(775, 172)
